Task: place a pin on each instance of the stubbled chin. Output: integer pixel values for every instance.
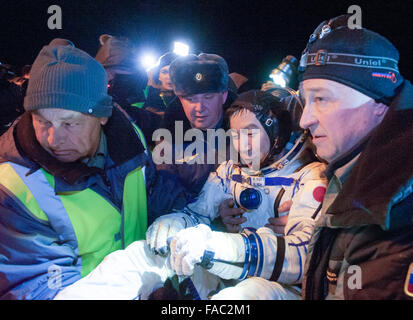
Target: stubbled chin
(202, 125)
(324, 154)
(66, 159)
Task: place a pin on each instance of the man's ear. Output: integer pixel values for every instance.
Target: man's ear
(380, 109)
(104, 38)
(103, 121)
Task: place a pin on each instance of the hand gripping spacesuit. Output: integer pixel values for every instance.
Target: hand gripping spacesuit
(260, 263)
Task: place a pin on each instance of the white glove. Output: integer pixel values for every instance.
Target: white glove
(188, 247)
(161, 231)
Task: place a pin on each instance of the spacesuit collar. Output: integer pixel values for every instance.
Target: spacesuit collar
(290, 156)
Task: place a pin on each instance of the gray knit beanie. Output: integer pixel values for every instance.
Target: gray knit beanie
(66, 77)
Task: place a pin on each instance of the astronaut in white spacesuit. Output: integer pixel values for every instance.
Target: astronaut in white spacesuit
(260, 263)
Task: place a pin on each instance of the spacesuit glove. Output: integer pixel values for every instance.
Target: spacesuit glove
(161, 231)
(189, 246)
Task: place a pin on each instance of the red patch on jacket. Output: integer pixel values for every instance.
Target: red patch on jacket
(318, 193)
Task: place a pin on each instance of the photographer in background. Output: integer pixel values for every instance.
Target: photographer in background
(126, 82)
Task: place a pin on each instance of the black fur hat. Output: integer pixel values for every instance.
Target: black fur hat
(194, 74)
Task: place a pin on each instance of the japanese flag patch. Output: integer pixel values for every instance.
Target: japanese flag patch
(318, 193)
(408, 285)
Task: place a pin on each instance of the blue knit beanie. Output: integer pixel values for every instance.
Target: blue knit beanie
(66, 77)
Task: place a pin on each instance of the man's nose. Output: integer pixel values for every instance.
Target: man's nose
(307, 118)
(55, 137)
(245, 143)
(199, 106)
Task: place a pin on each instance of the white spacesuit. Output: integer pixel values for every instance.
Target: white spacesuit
(259, 255)
(271, 263)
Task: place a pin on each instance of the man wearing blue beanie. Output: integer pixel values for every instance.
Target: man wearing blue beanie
(358, 109)
(76, 180)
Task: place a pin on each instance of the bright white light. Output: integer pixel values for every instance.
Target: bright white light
(148, 61)
(278, 79)
(181, 48)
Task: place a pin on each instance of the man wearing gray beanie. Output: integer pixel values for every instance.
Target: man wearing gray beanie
(76, 180)
(358, 109)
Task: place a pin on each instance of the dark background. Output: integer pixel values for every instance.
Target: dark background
(253, 36)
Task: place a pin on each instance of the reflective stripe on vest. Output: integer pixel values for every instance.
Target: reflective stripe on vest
(140, 134)
(82, 219)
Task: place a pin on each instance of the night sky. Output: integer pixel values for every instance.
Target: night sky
(253, 36)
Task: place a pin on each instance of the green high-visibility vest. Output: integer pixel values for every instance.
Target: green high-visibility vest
(88, 222)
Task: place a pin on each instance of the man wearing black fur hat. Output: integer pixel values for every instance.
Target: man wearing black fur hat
(359, 112)
(201, 84)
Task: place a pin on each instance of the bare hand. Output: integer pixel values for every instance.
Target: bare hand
(231, 217)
